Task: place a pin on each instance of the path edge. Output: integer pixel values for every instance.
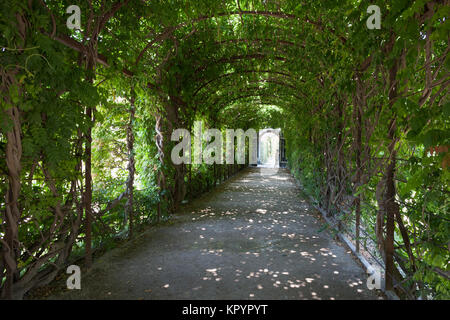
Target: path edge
(389, 294)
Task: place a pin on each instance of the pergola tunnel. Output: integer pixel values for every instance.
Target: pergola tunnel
(340, 106)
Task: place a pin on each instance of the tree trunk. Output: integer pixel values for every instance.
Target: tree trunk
(358, 149)
(88, 193)
(391, 211)
(13, 155)
(391, 206)
(159, 140)
(131, 166)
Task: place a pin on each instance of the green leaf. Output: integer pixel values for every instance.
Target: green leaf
(14, 93)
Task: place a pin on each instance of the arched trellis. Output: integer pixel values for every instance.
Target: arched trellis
(169, 30)
(252, 94)
(228, 60)
(259, 81)
(383, 54)
(259, 54)
(206, 83)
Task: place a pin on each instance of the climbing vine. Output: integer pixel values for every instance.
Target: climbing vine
(86, 118)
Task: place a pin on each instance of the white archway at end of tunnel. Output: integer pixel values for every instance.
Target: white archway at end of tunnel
(269, 148)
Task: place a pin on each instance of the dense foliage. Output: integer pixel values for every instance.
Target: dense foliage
(86, 117)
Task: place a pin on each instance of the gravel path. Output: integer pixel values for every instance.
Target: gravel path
(253, 237)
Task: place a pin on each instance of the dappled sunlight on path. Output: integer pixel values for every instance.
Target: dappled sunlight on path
(253, 237)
